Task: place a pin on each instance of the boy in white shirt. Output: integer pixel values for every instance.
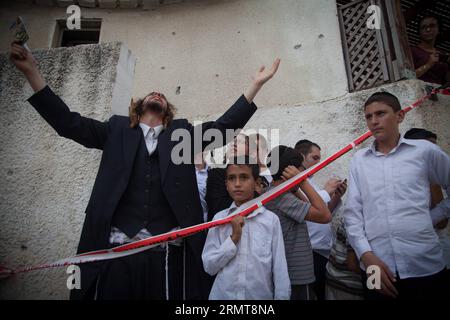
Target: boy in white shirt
(387, 214)
(247, 256)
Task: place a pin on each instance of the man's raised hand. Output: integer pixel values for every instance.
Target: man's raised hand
(263, 75)
(259, 79)
(24, 61)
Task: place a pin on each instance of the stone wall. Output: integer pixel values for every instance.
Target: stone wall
(335, 123)
(207, 48)
(202, 54)
(46, 180)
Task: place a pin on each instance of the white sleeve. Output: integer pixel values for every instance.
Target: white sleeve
(281, 282)
(216, 255)
(322, 192)
(353, 215)
(439, 173)
(324, 195)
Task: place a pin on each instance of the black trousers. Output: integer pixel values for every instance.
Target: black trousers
(303, 292)
(433, 287)
(320, 264)
(143, 276)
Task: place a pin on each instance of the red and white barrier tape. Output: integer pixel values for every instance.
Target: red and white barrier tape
(244, 210)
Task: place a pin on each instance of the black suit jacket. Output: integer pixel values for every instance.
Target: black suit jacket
(217, 197)
(119, 143)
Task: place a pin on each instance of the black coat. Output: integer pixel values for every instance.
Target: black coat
(119, 143)
(217, 197)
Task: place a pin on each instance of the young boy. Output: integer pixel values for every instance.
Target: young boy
(441, 227)
(321, 234)
(293, 213)
(387, 214)
(247, 256)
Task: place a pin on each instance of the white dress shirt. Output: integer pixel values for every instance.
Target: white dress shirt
(256, 267)
(151, 136)
(387, 210)
(202, 178)
(444, 239)
(151, 141)
(320, 234)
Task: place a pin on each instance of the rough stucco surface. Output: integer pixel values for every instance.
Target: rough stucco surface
(335, 123)
(46, 180)
(210, 49)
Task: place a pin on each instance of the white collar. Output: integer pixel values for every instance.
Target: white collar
(205, 169)
(233, 208)
(401, 141)
(145, 129)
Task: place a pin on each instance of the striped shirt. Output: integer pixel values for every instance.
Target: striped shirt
(338, 275)
(292, 211)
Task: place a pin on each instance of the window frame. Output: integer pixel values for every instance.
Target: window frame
(87, 24)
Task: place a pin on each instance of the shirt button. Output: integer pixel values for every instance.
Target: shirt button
(147, 176)
(145, 206)
(146, 190)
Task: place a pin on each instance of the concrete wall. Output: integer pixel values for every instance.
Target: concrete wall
(335, 123)
(211, 48)
(45, 180)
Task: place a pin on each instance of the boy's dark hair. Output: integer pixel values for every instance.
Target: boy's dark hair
(245, 161)
(386, 98)
(287, 156)
(304, 146)
(419, 133)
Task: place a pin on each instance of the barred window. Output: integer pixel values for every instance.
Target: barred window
(372, 39)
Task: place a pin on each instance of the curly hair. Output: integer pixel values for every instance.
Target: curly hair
(136, 110)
